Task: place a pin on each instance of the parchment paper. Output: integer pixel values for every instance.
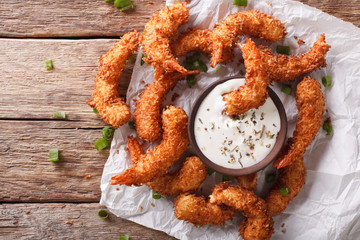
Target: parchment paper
(328, 206)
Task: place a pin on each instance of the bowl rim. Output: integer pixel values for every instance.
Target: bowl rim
(280, 139)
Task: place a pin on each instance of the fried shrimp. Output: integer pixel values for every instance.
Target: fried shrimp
(253, 23)
(310, 103)
(292, 177)
(157, 161)
(147, 114)
(258, 223)
(281, 68)
(112, 109)
(254, 93)
(157, 35)
(248, 181)
(198, 210)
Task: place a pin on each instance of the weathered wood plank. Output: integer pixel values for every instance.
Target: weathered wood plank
(29, 91)
(67, 18)
(27, 175)
(46, 18)
(47, 221)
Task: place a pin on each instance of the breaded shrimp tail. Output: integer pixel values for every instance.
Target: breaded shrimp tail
(292, 177)
(157, 161)
(259, 224)
(112, 109)
(198, 210)
(157, 34)
(254, 93)
(188, 178)
(310, 102)
(147, 114)
(253, 23)
(280, 68)
(248, 181)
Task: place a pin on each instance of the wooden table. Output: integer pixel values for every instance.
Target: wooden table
(40, 199)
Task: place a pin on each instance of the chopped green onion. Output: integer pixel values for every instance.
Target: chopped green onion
(61, 115)
(210, 171)
(125, 237)
(283, 49)
(217, 69)
(95, 110)
(191, 80)
(131, 124)
(103, 214)
(132, 58)
(242, 3)
(142, 61)
(327, 126)
(108, 132)
(326, 81)
(270, 177)
(286, 89)
(101, 143)
(48, 64)
(54, 154)
(156, 195)
(284, 191)
(193, 62)
(123, 4)
(225, 178)
(108, 0)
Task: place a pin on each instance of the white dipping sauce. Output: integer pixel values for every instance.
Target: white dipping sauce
(235, 142)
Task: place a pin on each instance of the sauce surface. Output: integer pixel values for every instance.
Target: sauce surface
(235, 142)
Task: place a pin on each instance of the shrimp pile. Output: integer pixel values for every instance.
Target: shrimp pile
(111, 107)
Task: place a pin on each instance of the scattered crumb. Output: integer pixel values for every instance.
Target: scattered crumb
(174, 96)
(141, 208)
(283, 225)
(295, 37)
(300, 42)
(269, 3)
(117, 189)
(283, 231)
(130, 90)
(68, 222)
(153, 205)
(27, 212)
(150, 2)
(117, 151)
(88, 176)
(142, 81)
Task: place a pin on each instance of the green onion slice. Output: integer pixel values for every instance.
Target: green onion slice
(270, 177)
(210, 171)
(284, 191)
(108, 0)
(225, 178)
(242, 3)
(191, 80)
(326, 81)
(54, 154)
(327, 126)
(108, 132)
(217, 69)
(101, 143)
(124, 237)
(156, 195)
(283, 49)
(61, 115)
(286, 89)
(103, 214)
(95, 111)
(131, 124)
(142, 61)
(123, 4)
(48, 64)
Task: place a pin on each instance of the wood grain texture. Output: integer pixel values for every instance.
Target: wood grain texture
(47, 221)
(95, 18)
(68, 18)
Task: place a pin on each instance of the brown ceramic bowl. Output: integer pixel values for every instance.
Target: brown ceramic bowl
(251, 169)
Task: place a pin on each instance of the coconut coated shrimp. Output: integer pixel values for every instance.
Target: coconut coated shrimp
(112, 109)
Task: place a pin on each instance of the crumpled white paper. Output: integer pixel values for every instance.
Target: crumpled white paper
(328, 206)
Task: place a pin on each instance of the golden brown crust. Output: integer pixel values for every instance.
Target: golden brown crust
(254, 93)
(198, 210)
(259, 224)
(148, 107)
(292, 177)
(310, 102)
(111, 107)
(157, 161)
(157, 35)
(189, 177)
(281, 68)
(253, 23)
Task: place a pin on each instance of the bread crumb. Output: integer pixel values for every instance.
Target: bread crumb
(141, 208)
(117, 189)
(153, 205)
(68, 222)
(282, 225)
(88, 176)
(300, 42)
(130, 90)
(27, 212)
(269, 3)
